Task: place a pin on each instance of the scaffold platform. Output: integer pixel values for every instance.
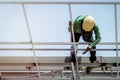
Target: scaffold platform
(55, 68)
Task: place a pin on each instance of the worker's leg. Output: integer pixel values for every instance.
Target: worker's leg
(93, 55)
(92, 59)
(77, 36)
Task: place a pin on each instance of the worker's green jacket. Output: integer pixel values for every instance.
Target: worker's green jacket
(78, 29)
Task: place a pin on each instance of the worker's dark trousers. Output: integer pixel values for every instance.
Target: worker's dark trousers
(92, 57)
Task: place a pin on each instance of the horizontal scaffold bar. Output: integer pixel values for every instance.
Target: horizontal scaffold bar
(38, 2)
(58, 43)
(50, 49)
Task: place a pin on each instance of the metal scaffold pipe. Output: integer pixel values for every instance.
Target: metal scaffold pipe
(38, 2)
(30, 36)
(56, 43)
(116, 38)
(50, 49)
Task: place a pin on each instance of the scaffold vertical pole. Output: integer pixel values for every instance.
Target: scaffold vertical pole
(75, 47)
(116, 36)
(30, 36)
(73, 71)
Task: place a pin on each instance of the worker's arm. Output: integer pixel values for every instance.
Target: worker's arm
(96, 41)
(97, 36)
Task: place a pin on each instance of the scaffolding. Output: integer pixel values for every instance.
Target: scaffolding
(59, 68)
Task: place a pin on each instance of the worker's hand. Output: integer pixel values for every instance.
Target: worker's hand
(70, 23)
(87, 49)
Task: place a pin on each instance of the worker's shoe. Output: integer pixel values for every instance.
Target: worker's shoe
(88, 69)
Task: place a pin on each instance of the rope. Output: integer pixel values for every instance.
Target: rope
(36, 61)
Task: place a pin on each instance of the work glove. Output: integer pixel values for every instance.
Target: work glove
(70, 23)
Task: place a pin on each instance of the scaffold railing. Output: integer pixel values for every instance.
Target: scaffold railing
(38, 2)
(51, 49)
(56, 43)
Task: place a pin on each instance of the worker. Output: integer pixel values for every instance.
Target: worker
(85, 26)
